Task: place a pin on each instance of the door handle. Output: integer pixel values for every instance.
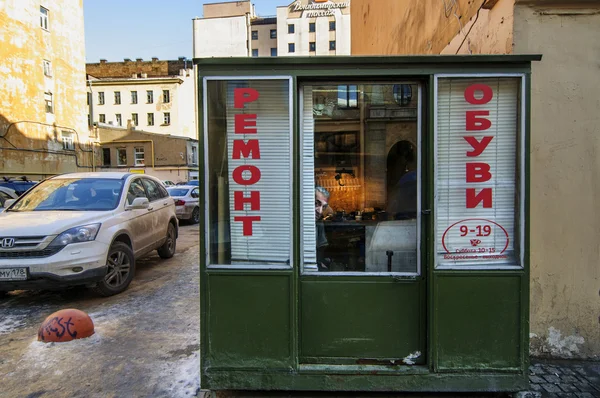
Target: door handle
(426, 212)
(166, 204)
(150, 208)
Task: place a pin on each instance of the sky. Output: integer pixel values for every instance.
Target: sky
(118, 29)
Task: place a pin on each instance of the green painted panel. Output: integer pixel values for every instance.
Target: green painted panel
(249, 321)
(361, 320)
(477, 322)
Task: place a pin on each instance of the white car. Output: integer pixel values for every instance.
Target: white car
(6, 194)
(85, 229)
(186, 202)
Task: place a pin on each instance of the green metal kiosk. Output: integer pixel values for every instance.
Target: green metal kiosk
(366, 223)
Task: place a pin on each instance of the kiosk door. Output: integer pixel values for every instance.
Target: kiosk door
(362, 285)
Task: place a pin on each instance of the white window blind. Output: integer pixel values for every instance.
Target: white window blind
(470, 232)
(308, 181)
(270, 241)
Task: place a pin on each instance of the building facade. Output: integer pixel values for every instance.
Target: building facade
(166, 157)
(565, 228)
(304, 27)
(42, 79)
(154, 96)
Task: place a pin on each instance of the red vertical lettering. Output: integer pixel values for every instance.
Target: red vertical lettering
(478, 146)
(242, 96)
(248, 149)
(238, 175)
(478, 172)
(242, 123)
(476, 123)
(247, 223)
(485, 196)
(239, 200)
(487, 91)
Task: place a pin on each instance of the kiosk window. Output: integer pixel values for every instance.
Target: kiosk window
(478, 172)
(249, 173)
(360, 167)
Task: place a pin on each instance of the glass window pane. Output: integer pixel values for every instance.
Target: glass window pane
(249, 173)
(360, 162)
(477, 135)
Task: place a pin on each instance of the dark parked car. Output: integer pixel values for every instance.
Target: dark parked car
(20, 186)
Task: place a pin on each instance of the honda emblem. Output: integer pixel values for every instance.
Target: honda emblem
(7, 242)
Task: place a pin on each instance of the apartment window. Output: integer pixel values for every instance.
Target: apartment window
(312, 27)
(255, 52)
(151, 119)
(44, 18)
(149, 96)
(332, 45)
(255, 35)
(67, 140)
(139, 156)
(100, 98)
(291, 28)
(117, 98)
(167, 118)
(121, 157)
(166, 96)
(274, 52)
(134, 97)
(273, 33)
(102, 118)
(47, 68)
(134, 119)
(347, 96)
(89, 117)
(331, 26)
(312, 46)
(89, 98)
(119, 119)
(106, 156)
(194, 155)
(291, 47)
(48, 101)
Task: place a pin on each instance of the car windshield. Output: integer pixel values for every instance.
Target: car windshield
(177, 191)
(72, 194)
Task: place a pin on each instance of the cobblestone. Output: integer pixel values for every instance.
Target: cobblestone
(565, 378)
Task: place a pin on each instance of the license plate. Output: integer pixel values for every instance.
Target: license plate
(13, 274)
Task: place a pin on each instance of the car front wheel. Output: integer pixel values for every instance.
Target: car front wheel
(167, 250)
(121, 269)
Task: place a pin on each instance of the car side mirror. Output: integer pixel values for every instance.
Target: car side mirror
(9, 202)
(139, 203)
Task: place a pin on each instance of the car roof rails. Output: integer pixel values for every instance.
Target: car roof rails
(7, 179)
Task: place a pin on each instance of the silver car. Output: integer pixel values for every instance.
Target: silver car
(186, 202)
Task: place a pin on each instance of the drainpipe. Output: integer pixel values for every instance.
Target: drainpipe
(129, 142)
(249, 34)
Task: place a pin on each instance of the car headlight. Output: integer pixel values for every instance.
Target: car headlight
(84, 233)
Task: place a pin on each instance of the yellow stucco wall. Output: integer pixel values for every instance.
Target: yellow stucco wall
(393, 27)
(565, 177)
(490, 32)
(34, 136)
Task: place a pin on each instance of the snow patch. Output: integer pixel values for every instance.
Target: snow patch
(184, 376)
(9, 324)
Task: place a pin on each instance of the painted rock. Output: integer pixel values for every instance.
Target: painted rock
(66, 325)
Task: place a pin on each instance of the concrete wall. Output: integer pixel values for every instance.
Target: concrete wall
(392, 27)
(227, 9)
(565, 177)
(220, 37)
(33, 144)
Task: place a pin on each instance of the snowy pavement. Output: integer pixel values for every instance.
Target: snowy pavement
(146, 342)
